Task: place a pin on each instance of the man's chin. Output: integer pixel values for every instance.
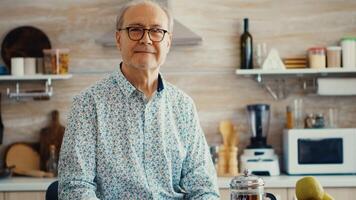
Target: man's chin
(145, 65)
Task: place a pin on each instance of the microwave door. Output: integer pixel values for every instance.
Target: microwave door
(320, 151)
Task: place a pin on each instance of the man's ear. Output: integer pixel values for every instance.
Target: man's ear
(169, 42)
(117, 37)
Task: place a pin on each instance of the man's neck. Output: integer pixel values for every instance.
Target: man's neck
(145, 81)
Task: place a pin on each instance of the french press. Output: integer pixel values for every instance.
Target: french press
(248, 187)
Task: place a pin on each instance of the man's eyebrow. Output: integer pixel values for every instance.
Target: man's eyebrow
(156, 26)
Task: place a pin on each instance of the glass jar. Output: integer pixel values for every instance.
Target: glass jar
(348, 45)
(319, 121)
(56, 61)
(333, 55)
(317, 57)
(309, 121)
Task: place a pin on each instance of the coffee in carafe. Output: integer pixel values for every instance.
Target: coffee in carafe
(246, 197)
(248, 187)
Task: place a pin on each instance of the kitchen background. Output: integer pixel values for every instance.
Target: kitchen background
(206, 72)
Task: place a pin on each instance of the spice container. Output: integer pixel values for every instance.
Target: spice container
(289, 121)
(56, 61)
(319, 121)
(333, 55)
(309, 121)
(317, 57)
(348, 45)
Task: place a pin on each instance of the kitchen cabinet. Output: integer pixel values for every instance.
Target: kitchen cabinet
(288, 193)
(47, 78)
(306, 78)
(280, 193)
(22, 195)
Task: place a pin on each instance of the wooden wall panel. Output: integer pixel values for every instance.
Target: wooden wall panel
(205, 72)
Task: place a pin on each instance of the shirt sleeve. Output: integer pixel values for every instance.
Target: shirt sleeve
(199, 178)
(77, 168)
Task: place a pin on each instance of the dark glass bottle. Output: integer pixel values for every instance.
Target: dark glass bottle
(52, 162)
(246, 48)
(1, 125)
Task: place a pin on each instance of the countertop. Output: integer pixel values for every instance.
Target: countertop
(25, 184)
(283, 181)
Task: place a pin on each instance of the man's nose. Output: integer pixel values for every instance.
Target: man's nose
(146, 38)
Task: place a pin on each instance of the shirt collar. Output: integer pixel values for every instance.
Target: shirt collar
(127, 88)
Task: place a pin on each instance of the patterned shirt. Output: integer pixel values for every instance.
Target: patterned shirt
(119, 145)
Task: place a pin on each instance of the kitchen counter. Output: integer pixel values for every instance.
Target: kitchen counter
(25, 184)
(283, 181)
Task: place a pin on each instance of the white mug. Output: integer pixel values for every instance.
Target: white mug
(30, 66)
(17, 66)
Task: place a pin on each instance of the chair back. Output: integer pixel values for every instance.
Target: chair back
(52, 191)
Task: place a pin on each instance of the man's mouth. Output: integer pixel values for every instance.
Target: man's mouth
(144, 52)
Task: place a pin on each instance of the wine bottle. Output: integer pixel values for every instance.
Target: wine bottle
(246, 48)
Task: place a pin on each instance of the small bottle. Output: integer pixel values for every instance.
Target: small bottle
(289, 120)
(319, 121)
(310, 121)
(246, 48)
(51, 164)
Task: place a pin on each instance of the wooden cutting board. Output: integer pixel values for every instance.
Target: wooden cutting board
(51, 135)
(25, 159)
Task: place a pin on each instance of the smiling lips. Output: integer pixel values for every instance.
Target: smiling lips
(144, 50)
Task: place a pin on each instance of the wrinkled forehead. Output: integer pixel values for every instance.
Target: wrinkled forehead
(146, 14)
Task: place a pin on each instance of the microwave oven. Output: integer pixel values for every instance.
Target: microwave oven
(319, 151)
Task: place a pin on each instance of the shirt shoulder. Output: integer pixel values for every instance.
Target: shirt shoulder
(178, 96)
(99, 89)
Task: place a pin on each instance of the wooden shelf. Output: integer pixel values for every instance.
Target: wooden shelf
(35, 77)
(298, 72)
(261, 76)
(48, 88)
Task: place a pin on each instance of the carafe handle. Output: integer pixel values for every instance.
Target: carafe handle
(271, 196)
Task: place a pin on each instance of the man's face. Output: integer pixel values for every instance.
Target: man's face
(144, 54)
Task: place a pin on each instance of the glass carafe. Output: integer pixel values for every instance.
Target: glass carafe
(259, 115)
(248, 187)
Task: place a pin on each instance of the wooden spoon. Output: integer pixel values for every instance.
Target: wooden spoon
(226, 130)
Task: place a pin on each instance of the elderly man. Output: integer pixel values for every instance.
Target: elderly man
(133, 135)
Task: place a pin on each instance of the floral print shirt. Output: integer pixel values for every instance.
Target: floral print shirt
(119, 145)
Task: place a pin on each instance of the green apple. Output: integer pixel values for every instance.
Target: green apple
(309, 188)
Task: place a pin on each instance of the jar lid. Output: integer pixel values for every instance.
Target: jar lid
(316, 49)
(348, 38)
(334, 48)
(246, 181)
(260, 107)
(320, 115)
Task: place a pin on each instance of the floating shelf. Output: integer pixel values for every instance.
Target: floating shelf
(302, 74)
(298, 72)
(48, 88)
(35, 77)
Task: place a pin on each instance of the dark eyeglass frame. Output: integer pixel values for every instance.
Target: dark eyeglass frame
(149, 30)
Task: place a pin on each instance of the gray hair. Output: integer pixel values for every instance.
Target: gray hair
(125, 7)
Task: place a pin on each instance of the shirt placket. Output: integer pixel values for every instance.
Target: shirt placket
(147, 153)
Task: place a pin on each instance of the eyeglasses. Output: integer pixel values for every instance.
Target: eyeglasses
(137, 33)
